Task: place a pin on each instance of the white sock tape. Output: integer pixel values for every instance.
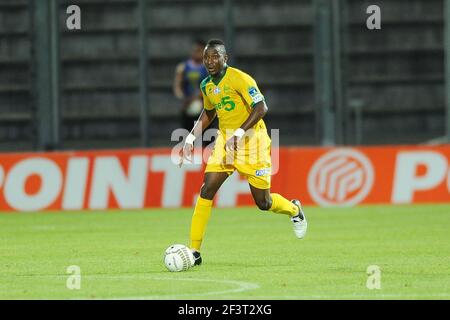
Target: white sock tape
(239, 133)
(190, 139)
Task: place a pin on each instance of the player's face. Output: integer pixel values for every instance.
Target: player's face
(214, 60)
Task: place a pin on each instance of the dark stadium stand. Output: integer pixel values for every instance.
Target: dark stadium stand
(394, 74)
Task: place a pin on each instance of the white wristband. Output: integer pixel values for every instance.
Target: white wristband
(239, 133)
(190, 138)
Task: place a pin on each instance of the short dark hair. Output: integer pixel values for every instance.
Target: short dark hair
(200, 42)
(215, 42)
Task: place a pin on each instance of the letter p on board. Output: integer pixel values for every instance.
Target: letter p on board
(406, 179)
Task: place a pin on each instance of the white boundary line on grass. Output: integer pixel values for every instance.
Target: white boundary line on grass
(354, 296)
(241, 287)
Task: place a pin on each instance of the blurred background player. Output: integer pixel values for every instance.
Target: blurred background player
(234, 97)
(186, 86)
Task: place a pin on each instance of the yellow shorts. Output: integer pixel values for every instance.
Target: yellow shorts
(252, 159)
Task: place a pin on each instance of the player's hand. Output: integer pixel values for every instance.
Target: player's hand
(188, 148)
(232, 144)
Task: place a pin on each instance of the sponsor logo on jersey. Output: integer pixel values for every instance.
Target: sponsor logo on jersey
(256, 96)
(262, 172)
(252, 91)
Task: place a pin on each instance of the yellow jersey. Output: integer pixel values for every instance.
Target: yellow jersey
(233, 96)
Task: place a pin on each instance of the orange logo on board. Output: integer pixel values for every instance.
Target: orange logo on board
(342, 177)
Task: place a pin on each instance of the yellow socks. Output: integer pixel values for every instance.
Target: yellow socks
(202, 213)
(200, 219)
(282, 205)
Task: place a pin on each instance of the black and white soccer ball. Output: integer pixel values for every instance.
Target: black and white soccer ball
(178, 257)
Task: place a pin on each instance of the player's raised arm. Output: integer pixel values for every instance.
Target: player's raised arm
(258, 112)
(203, 122)
(247, 88)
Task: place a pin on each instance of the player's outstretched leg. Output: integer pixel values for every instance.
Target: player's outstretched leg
(278, 204)
(202, 212)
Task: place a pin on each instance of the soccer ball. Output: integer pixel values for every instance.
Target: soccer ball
(178, 257)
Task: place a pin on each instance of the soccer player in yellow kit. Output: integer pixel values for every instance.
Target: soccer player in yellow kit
(242, 143)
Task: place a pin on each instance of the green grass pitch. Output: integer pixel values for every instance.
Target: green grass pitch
(247, 254)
